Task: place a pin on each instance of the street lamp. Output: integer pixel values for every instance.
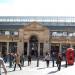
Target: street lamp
(37, 59)
(50, 37)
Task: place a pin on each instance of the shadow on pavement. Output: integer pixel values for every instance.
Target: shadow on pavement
(41, 68)
(53, 72)
(11, 71)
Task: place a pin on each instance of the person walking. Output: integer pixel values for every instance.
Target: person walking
(11, 58)
(17, 61)
(47, 59)
(4, 67)
(53, 58)
(29, 60)
(59, 59)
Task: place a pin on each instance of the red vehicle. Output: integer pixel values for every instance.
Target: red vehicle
(70, 56)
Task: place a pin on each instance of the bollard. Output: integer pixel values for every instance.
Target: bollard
(37, 61)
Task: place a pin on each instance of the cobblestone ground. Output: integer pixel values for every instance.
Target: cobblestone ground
(41, 70)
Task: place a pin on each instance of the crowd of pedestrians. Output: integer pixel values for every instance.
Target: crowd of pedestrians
(16, 59)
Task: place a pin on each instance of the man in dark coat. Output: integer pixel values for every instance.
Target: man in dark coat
(29, 60)
(59, 59)
(53, 58)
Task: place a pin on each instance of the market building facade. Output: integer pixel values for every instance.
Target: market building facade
(36, 35)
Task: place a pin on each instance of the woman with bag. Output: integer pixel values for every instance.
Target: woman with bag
(17, 61)
(47, 59)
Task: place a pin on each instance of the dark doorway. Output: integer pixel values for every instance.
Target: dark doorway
(25, 48)
(3, 48)
(13, 47)
(41, 49)
(55, 50)
(64, 47)
(33, 46)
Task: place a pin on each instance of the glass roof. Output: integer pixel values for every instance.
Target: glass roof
(36, 18)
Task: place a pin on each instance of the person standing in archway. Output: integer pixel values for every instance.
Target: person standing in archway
(29, 60)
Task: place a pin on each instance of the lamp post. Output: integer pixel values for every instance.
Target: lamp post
(50, 37)
(37, 61)
(38, 58)
(10, 56)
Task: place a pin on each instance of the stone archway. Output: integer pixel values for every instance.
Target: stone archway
(33, 45)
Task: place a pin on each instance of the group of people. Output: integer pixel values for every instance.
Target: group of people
(57, 58)
(16, 59)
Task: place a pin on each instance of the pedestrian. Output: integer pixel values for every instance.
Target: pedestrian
(59, 59)
(3, 64)
(29, 60)
(47, 59)
(17, 61)
(5, 57)
(11, 58)
(53, 58)
(56, 57)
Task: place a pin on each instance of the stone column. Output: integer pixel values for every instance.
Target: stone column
(28, 49)
(20, 48)
(50, 47)
(60, 49)
(46, 48)
(7, 47)
(38, 48)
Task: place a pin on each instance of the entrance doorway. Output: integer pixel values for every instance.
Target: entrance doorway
(33, 46)
(55, 49)
(64, 48)
(25, 48)
(12, 47)
(3, 48)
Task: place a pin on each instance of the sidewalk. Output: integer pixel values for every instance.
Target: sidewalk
(41, 70)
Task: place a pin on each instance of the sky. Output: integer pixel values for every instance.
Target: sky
(37, 8)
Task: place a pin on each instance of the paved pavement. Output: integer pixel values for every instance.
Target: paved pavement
(33, 70)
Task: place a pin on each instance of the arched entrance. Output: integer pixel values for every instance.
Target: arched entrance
(33, 46)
